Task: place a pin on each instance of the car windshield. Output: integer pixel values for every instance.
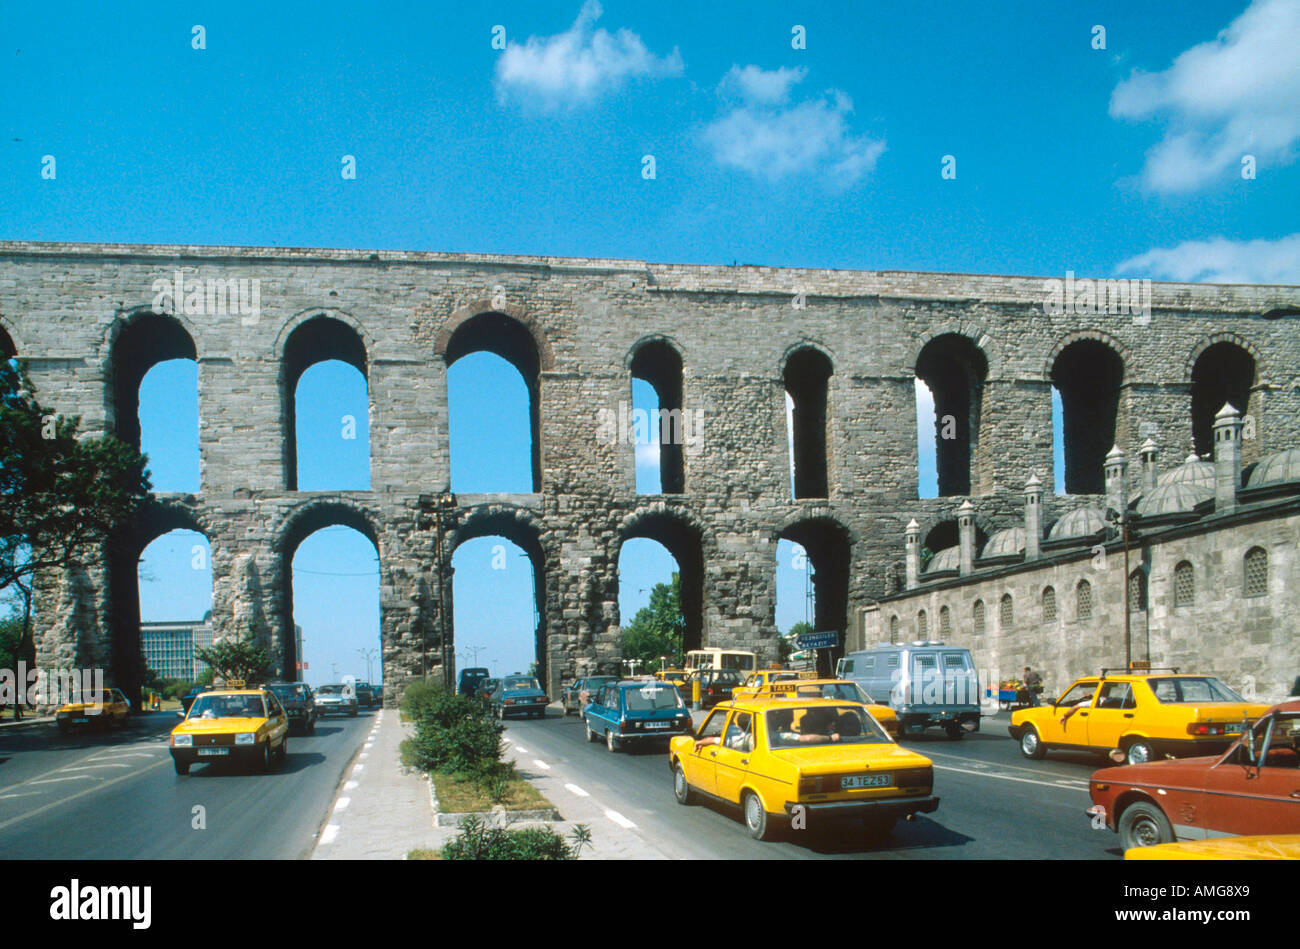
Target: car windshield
(844, 691)
(1175, 689)
(822, 724)
(522, 682)
(290, 692)
(650, 698)
(726, 677)
(330, 690)
(228, 706)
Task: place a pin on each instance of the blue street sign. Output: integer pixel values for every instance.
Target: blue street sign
(818, 640)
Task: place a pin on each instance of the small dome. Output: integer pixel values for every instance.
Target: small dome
(1177, 498)
(1280, 467)
(1084, 522)
(1005, 543)
(1193, 471)
(947, 559)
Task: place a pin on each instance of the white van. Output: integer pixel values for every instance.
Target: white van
(927, 683)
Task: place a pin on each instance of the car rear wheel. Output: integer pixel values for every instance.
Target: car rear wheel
(1144, 825)
(591, 735)
(610, 741)
(1031, 746)
(953, 731)
(182, 767)
(681, 788)
(1138, 752)
(756, 817)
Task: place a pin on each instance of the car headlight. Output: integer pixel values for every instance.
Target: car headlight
(182, 741)
(245, 738)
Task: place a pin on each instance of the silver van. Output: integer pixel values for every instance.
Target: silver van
(927, 683)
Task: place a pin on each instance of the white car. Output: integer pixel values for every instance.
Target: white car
(336, 698)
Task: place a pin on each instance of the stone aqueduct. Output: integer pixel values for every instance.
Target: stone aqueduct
(730, 341)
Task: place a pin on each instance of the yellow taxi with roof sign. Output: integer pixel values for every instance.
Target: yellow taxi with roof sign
(247, 725)
(761, 680)
(103, 708)
(791, 760)
(1137, 715)
(845, 689)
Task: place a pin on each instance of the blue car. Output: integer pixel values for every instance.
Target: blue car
(518, 695)
(636, 710)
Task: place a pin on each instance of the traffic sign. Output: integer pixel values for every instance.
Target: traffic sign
(818, 640)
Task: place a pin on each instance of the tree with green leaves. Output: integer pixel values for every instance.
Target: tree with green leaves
(61, 496)
(657, 629)
(236, 657)
(789, 644)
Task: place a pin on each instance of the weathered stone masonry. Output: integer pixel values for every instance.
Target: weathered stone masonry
(81, 314)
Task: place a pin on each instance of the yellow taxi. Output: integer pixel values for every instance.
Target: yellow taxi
(1137, 717)
(678, 677)
(794, 761)
(1283, 847)
(759, 681)
(845, 689)
(104, 710)
(247, 725)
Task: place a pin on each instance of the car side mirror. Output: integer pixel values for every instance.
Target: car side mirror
(180, 713)
(1248, 734)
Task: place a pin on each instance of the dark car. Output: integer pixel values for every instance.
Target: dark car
(188, 698)
(571, 696)
(519, 694)
(636, 710)
(486, 688)
(471, 679)
(716, 685)
(365, 694)
(299, 704)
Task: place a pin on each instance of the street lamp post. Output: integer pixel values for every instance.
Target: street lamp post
(368, 655)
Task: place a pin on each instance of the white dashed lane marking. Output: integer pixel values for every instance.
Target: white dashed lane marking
(541, 764)
(89, 767)
(619, 819)
(71, 777)
(342, 804)
(574, 789)
(349, 786)
(329, 833)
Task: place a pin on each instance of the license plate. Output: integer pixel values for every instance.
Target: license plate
(867, 781)
(82, 721)
(213, 752)
(658, 724)
(1232, 730)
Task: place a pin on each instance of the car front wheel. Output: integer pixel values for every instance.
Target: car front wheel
(1031, 746)
(1144, 825)
(591, 735)
(610, 741)
(681, 787)
(182, 767)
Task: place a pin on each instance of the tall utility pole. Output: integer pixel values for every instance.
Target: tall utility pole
(368, 655)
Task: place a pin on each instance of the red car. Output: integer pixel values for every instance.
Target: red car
(1254, 788)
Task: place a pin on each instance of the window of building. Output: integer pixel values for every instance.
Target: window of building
(945, 622)
(1049, 604)
(979, 616)
(1083, 599)
(893, 629)
(1006, 616)
(1184, 584)
(922, 625)
(1256, 572)
(1137, 590)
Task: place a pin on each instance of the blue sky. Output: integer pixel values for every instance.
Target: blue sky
(1122, 160)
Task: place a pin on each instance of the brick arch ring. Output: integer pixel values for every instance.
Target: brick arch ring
(1236, 340)
(979, 337)
(303, 316)
(124, 318)
(330, 511)
(461, 316)
(1120, 350)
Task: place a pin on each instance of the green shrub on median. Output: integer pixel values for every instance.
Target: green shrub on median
(479, 840)
(453, 734)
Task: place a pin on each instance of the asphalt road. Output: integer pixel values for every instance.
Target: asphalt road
(994, 804)
(115, 795)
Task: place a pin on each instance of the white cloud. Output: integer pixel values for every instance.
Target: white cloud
(761, 133)
(1238, 94)
(1219, 260)
(579, 65)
